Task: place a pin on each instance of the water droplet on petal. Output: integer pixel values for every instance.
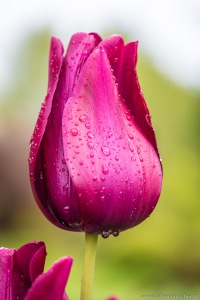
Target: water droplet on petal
(83, 118)
(88, 125)
(128, 118)
(105, 234)
(90, 135)
(90, 145)
(81, 163)
(130, 136)
(138, 150)
(105, 169)
(105, 150)
(66, 208)
(131, 147)
(116, 157)
(115, 233)
(74, 131)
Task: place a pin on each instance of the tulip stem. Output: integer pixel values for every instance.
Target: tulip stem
(88, 266)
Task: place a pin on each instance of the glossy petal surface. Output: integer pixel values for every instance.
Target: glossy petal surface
(94, 161)
(53, 187)
(115, 157)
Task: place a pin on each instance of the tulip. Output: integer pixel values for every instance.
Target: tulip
(22, 277)
(94, 162)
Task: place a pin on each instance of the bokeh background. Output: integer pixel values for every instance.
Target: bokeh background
(161, 255)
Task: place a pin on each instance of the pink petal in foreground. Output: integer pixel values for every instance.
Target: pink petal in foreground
(17, 271)
(51, 285)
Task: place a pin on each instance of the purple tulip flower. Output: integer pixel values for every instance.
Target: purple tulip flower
(22, 277)
(94, 162)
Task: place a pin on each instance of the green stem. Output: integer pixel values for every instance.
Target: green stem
(88, 266)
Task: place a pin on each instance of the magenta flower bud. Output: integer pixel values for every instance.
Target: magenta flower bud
(94, 162)
(22, 277)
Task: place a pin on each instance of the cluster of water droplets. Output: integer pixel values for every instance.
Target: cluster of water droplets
(106, 234)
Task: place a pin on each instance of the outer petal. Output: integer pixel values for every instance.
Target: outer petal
(51, 285)
(50, 178)
(110, 169)
(131, 92)
(35, 163)
(17, 270)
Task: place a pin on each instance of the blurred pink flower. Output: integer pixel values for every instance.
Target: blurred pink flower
(94, 162)
(22, 277)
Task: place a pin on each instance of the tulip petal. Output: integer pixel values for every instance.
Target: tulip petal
(24, 271)
(114, 45)
(51, 183)
(35, 162)
(109, 171)
(51, 285)
(130, 90)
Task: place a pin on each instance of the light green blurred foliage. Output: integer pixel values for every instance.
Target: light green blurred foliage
(161, 255)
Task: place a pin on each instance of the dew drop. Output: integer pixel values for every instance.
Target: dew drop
(105, 234)
(130, 136)
(115, 233)
(131, 147)
(105, 169)
(90, 135)
(128, 118)
(88, 125)
(138, 150)
(66, 208)
(109, 134)
(81, 163)
(90, 145)
(105, 150)
(74, 131)
(83, 118)
(91, 154)
(116, 157)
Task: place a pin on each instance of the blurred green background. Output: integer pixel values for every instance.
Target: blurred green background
(161, 255)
